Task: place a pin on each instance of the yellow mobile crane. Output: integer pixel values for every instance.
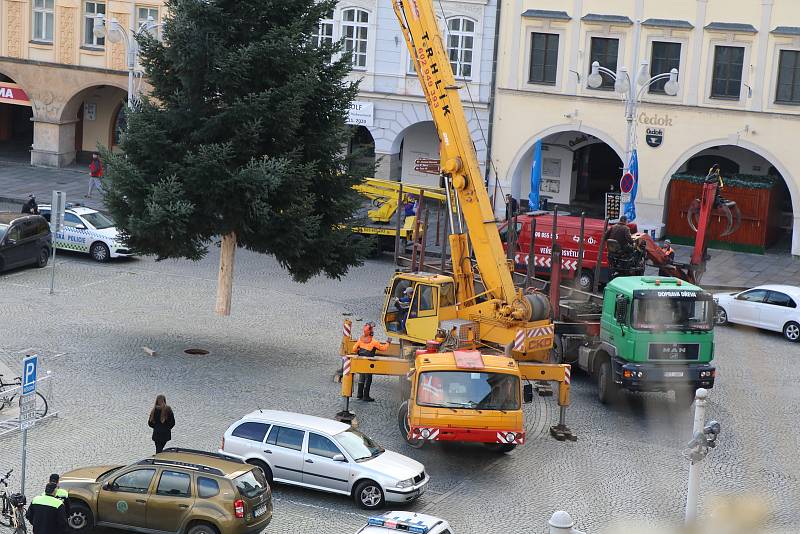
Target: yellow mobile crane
(455, 390)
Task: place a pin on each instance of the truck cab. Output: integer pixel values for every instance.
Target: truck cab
(416, 303)
(656, 334)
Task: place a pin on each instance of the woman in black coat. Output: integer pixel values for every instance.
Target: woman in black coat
(161, 420)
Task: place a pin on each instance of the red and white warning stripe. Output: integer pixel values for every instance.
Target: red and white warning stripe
(519, 340)
(545, 261)
(429, 434)
(568, 374)
(540, 331)
(515, 438)
(345, 365)
(346, 329)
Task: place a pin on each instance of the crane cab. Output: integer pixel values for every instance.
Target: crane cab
(416, 304)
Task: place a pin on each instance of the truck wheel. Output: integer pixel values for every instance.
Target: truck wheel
(585, 281)
(606, 388)
(405, 427)
(791, 331)
(720, 316)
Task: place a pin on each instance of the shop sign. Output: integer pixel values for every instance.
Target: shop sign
(11, 93)
(654, 136)
(360, 113)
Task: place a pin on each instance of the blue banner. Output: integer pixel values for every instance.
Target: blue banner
(630, 207)
(536, 176)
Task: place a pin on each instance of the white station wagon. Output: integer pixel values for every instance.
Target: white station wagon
(87, 230)
(324, 454)
(771, 307)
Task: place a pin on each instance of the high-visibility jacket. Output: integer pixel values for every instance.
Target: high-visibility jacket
(63, 495)
(669, 252)
(47, 514)
(431, 390)
(369, 343)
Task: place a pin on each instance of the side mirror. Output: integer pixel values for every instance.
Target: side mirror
(339, 458)
(527, 393)
(10, 241)
(621, 309)
(107, 486)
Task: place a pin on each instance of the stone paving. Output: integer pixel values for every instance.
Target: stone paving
(278, 349)
(18, 180)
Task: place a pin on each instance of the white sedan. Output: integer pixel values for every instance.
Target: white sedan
(88, 230)
(771, 307)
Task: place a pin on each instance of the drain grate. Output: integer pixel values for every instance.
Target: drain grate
(196, 352)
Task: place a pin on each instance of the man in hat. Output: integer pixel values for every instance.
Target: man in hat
(403, 304)
(666, 248)
(367, 346)
(47, 513)
(30, 206)
(621, 233)
(60, 492)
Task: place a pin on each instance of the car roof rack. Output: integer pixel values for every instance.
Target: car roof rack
(186, 465)
(219, 456)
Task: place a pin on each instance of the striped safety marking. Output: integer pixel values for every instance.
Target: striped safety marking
(519, 340)
(345, 365)
(567, 374)
(516, 438)
(540, 331)
(346, 329)
(433, 433)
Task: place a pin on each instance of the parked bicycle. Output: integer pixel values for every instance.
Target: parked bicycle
(12, 507)
(10, 393)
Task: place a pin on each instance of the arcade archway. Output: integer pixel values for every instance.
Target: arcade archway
(16, 121)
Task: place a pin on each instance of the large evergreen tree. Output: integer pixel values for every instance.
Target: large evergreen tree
(241, 138)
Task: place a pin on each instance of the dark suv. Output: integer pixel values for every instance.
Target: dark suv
(24, 240)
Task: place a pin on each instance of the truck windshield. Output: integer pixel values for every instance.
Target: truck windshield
(671, 314)
(462, 389)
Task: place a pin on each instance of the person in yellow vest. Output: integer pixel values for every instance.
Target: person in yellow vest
(366, 346)
(47, 513)
(61, 493)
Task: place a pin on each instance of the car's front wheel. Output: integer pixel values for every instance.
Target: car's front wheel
(791, 331)
(80, 517)
(720, 316)
(369, 495)
(100, 252)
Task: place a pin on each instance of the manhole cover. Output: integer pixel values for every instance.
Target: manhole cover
(196, 352)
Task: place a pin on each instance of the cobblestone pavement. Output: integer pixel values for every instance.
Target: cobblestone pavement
(279, 350)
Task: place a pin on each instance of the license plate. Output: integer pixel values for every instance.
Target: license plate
(673, 374)
(261, 510)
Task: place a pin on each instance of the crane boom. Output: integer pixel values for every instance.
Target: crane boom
(459, 160)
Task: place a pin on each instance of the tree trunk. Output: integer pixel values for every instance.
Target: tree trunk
(225, 277)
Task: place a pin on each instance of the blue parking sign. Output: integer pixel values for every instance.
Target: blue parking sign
(29, 365)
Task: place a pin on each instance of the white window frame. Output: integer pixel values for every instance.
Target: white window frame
(523, 75)
(328, 22)
(743, 91)
(88, 21)
(683, 74)
(772, 103)
(140, 22)
(357, 25)
(462, 34)
(47, 15)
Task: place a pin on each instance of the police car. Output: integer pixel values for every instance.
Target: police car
(87, 230)
(394, 522)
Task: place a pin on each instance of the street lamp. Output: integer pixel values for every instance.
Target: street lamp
(624, 85)
(115, 32)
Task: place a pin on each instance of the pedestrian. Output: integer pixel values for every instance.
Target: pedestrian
(367, 346)
(512, 206)
(161, 420)
(95, 173)
(60, 493)
(31, 206)
(47, 513)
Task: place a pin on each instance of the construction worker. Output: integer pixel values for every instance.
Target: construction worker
(621, 233)
(403, 305)
(61, 493)
(431, 390)
(366, 346)
(666, 248)
(47, 513)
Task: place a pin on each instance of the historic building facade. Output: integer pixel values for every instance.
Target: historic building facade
(737, 101)
(62, 88)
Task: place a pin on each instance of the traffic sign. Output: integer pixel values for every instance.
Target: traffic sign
(57, 209)
(29, 366)
(27, 411)
(626, 183)
(624, 198)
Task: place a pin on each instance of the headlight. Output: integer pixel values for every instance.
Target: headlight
(407, 483)
(510, 437)
(425, 433)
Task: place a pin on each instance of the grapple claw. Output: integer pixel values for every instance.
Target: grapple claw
(734, 216)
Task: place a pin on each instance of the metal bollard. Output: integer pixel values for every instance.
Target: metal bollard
(561, 523)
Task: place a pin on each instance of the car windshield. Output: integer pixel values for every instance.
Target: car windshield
(109, 472)
(98, 220)
(468, 390)
(3, 230)
(357, 445)
(672, 314)
(251, 484)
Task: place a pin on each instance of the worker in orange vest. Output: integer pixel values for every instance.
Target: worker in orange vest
(366, 346)
(431, 390)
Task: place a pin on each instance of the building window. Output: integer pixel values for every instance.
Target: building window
(460, 44)
(727, 79)
(666, 56)
(355, 24)
(43, 20)
(544, 58)
(605, 51)
(788, 77)
(144, 15)
(325, 31)
(90, 11)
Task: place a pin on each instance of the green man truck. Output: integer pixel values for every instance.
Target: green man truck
(645, 333)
